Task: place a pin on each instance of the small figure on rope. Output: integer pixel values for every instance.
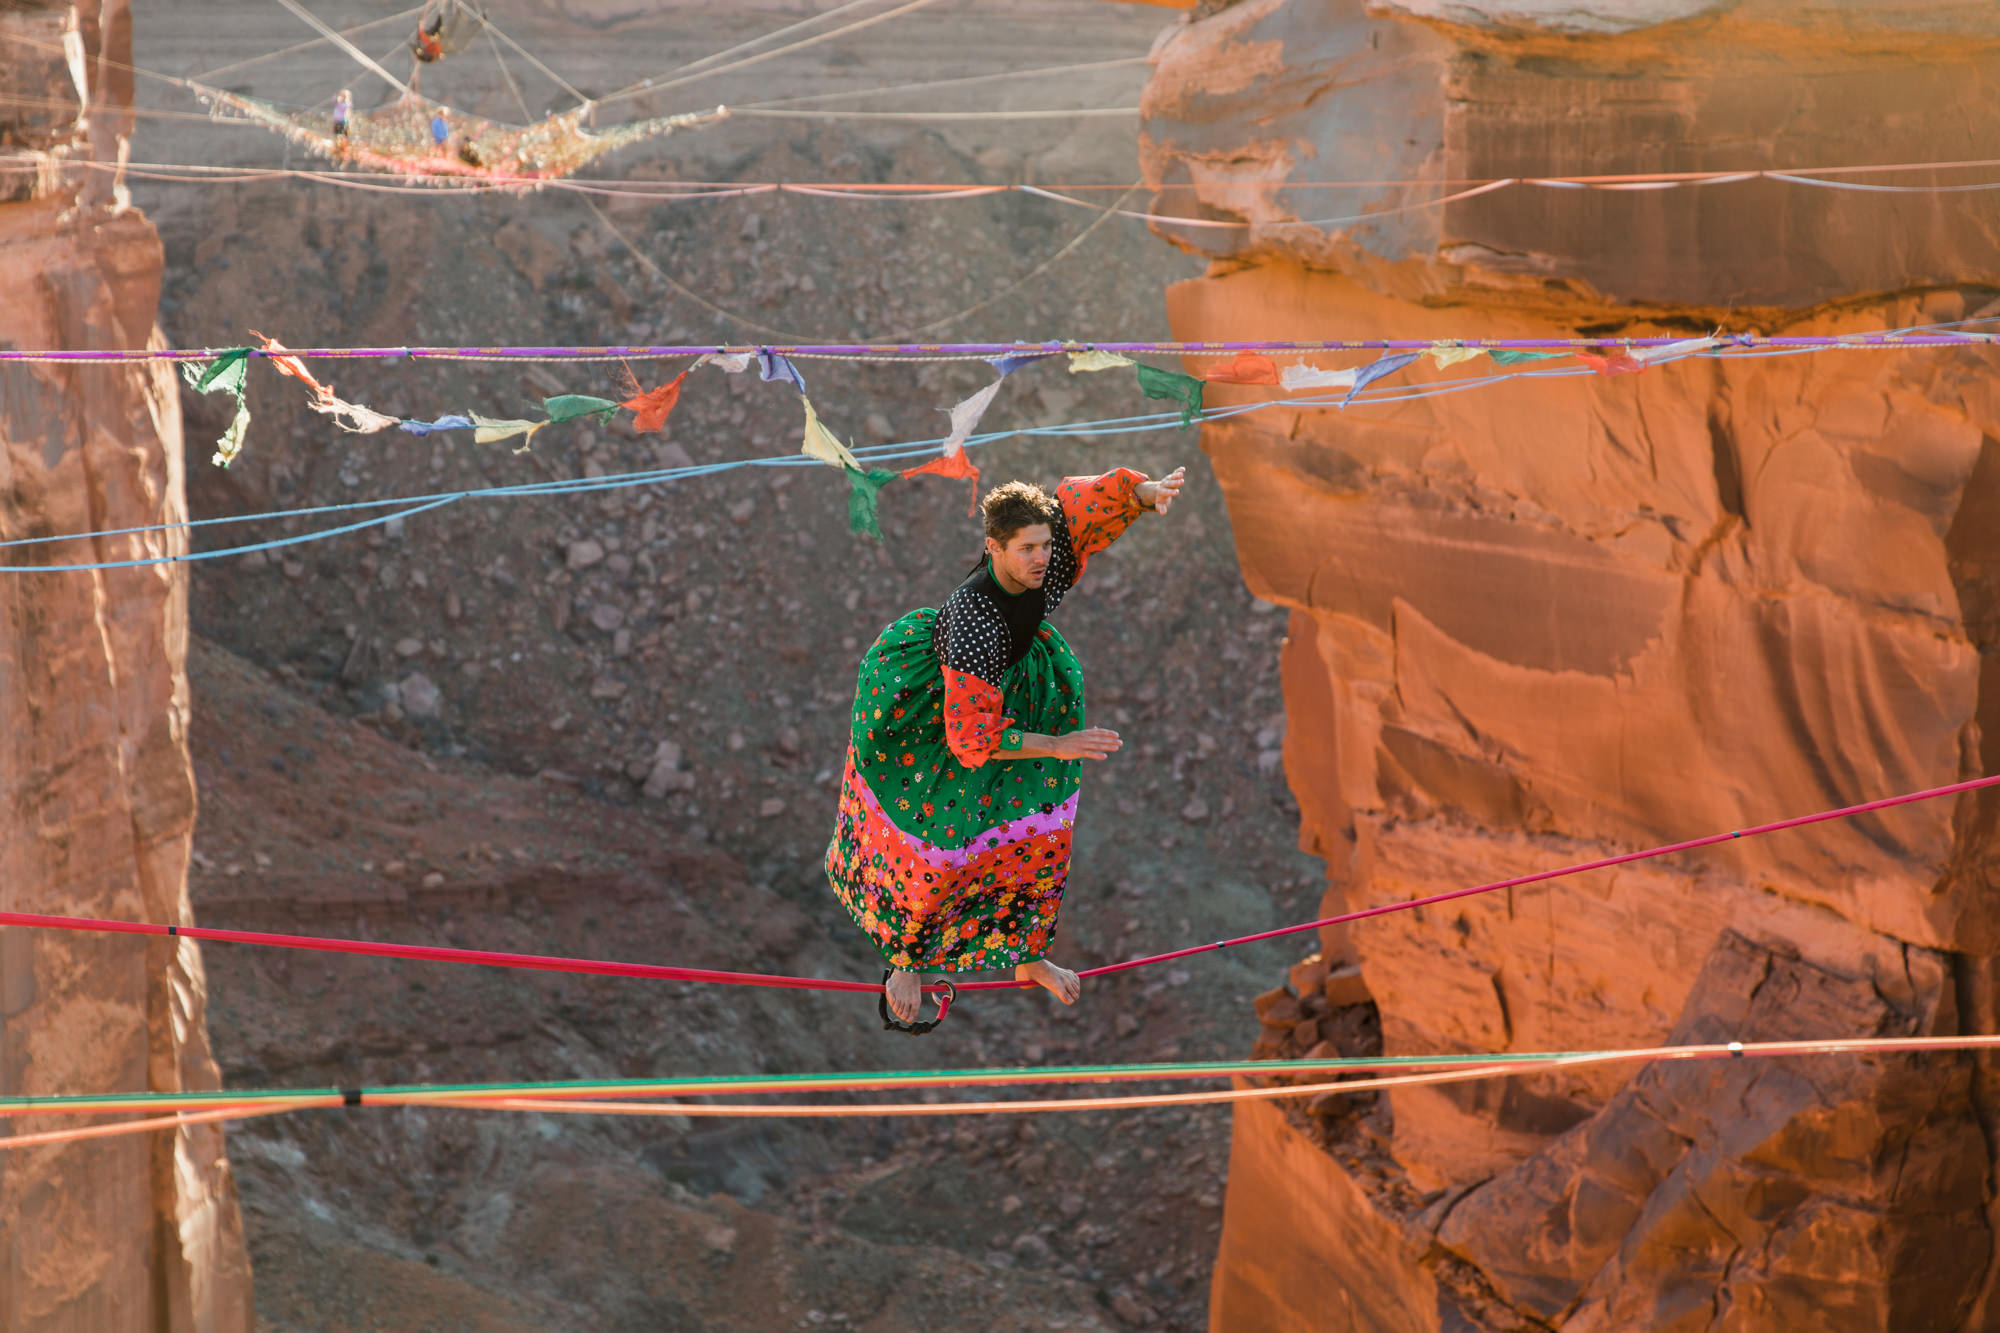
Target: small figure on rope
(427, 46)
(343, 109)
(967, 746)
(440, 130)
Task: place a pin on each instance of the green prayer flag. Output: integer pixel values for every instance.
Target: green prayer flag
(228, 373)
(1509, 356)
(569, 406)
(1171, 384)
(864, 492)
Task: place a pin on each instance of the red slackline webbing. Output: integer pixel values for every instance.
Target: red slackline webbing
(656, 972)
(1844, 812)
(530, 961)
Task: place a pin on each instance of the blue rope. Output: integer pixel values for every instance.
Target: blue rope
(238, 550)
(1141, 424)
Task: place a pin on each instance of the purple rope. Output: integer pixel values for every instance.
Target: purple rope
(1004, 349)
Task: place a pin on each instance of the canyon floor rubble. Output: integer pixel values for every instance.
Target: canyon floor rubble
(610, 725)
(1491, 632)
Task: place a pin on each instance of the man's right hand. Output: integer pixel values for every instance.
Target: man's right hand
(1091, 743)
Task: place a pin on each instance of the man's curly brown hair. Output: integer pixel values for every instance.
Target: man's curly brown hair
(1018, 504)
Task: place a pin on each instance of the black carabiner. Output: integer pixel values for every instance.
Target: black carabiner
(914, 1029)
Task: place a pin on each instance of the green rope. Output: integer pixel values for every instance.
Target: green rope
(712, 1085)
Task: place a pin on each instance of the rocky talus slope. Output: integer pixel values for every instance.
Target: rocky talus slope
(1556, 618)
(611, 724)
(97, 799)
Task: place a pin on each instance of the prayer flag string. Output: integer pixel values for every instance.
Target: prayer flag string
(1246, 364)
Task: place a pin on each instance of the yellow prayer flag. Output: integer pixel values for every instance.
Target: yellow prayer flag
(1449, 354)
(1096, 360)
(491, 430)
(821, 444)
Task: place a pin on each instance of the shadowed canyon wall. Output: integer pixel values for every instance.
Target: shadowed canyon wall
(1556, 618)
(96, 793)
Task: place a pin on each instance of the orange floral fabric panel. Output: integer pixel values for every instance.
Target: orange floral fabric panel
(1097, 510)
(974, 725)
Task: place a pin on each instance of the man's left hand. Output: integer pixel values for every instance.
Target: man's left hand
(1159, 496)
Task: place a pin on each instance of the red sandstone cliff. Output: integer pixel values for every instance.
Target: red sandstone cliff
(96, 794)
(1546, 620)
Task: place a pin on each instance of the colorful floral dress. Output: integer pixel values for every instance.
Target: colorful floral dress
(948, 853)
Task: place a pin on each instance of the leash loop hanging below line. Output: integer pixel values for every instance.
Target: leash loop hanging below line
(889, 1024)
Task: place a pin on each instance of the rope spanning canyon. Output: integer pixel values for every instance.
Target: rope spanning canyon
(1936, 336)
(599, 1098)
(1665, 349)
(873, 453)
(661, 972)
(194, 173)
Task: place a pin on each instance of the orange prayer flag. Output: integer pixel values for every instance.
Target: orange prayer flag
(954, 464)
(1244, 368)
(1618, 363)
(293, 366)
(652, 407)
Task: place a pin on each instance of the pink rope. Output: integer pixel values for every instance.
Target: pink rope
(657, 972)
(1560, 872)
(371, 948)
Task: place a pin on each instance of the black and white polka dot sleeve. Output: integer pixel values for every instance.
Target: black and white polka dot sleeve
(976, 638)
(1063, 566)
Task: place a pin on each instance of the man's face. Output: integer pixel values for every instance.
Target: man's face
(1024, 559)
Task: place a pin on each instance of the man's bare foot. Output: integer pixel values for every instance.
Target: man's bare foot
(906, 995)
(1058, 981)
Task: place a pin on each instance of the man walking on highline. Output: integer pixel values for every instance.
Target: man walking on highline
(966, 750)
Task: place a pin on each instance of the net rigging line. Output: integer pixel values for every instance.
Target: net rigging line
(702, 62)
(662, 972)
(361, 57)
(673, 284)
(1618, 181)
(663, 82)
(556, 1099)
(1031, 275)
(963, 81)
(687, 293)
(359, 28)
(507, 74)
(1796, 175)
(1053, 113)
(493, 30)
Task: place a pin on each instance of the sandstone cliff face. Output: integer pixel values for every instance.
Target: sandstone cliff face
(1551, 619)
(96, 793)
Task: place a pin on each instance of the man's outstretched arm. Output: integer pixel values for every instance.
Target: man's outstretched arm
(1090, 743)
(1160, 495)
(1097, 510)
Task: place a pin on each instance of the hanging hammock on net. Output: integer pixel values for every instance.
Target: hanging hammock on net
(446, 28)
(396, 139)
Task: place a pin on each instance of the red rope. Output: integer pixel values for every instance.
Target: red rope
(656, 972)
(1536, 878)
(486, 958)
